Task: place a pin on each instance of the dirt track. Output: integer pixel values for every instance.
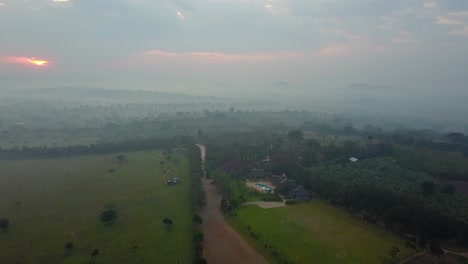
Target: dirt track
(222, 244)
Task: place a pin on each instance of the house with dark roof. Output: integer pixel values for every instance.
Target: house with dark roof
(300, 193)
(288, 184)
(277, 179)
(283, 183)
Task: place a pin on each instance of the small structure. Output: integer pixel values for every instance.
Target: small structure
(290, 188)
(300, 193)
(277, 179)
(172, 181)
(353, 159)
(282, 182)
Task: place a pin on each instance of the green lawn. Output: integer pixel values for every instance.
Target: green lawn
(315, 232)
(328, 139)
(60, 201)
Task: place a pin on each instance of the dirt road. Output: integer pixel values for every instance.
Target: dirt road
(222, 244)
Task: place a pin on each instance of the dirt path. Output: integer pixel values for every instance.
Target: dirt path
(412, 257)
(464, 254)
(222, 244)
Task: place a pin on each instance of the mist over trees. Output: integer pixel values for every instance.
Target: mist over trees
(404, 175)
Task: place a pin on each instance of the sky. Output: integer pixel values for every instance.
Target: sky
(183, 45)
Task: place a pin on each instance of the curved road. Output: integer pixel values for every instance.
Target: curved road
(222, 244)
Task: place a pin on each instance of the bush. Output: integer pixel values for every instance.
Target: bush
(434, 247)
(198, 236)
(196, 219)
(4, 223)
(409, 244)
(271, 198)
(108, 216)
(69, 246)
(290, 202)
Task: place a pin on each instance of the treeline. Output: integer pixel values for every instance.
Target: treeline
(378, 187)
(101, 148)
(451, 143)
(383, 192)
(196, 173)
(424, 138)
(198, 201)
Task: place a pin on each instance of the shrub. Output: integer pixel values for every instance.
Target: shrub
(4, 223)
(108, 216)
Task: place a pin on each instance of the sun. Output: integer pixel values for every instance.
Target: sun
(37, 62)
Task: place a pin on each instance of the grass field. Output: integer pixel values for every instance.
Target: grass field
(55, 201)
(328, 139)
(315, 233)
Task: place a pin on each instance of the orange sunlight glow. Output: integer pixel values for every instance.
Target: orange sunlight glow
(38, 62)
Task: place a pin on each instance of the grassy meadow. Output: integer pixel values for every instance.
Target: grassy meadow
(329, 139)
(54, 201)
(315, 232)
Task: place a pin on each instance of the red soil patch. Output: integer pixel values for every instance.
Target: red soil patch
(222, 244)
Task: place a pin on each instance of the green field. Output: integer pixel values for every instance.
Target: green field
(54, 201)
(315, 232)
(329, 139)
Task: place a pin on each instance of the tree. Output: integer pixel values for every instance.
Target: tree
(167, 221)
(120, 159)
(455, 136)
(394, 251)
(434, 247)
(295, 135)
(95, 252)
(392, 256)
(108, 216)
(198, 236)
(4, 223)
(196, 219)
(312, 144)
(448, 189)
(348, 129)
(68, 246)
(427, 188)
(224, 205)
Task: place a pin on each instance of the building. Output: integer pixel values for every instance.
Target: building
(300, 193)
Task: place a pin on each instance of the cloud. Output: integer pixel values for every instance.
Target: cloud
(463, 13)
(430, 4)
(221, 56)
(22, 60)
(179, 14)
(334, 49)
(241, 34)
(447, 21)
(460, 32)
(401, 40)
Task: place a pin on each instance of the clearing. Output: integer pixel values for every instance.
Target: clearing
(54, 201)
(314, 232)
